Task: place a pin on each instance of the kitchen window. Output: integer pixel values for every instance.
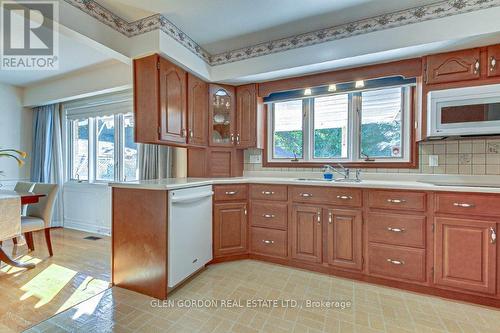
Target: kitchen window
(100, 137)
(357, 126)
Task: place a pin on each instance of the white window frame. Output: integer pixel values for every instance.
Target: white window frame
(354, 127)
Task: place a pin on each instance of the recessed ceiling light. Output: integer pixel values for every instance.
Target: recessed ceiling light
(359, 84)
(307, 91)
(332, 87)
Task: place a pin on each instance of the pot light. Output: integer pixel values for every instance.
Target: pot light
(332, 87)
(307, 91)
(359, 84)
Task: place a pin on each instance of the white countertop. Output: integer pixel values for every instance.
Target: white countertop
(394, 181)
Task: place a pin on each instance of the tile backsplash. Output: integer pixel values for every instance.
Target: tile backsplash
(463, 156)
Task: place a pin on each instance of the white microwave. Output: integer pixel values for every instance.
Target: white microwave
(464, 111)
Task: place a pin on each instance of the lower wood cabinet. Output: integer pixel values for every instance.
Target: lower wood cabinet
(268, 242)
(465, 255)
(230, 229)
(345, 238)
(306, 233)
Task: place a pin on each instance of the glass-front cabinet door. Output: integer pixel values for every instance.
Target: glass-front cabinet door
(222, 115)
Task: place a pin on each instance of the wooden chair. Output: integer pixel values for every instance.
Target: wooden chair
(39, 215)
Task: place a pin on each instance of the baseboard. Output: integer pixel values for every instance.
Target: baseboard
(70, 224)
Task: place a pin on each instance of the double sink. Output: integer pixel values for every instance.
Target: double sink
(339, 180)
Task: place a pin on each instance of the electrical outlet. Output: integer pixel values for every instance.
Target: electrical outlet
(255, 159)
(433, 160)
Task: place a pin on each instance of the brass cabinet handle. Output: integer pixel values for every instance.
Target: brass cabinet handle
(265, 241)
(330, 217)
(238, 139)
(493, 63)
(477, 66)
(231, 137)
(344, 197)
(396, 262)
(268, 216)
(493, 235)
(395, 229)
(231, 192)
(183, 132)
(306, 195)
(463, 205)
(267, 192)
(318, 216)
(191, 133)
(246, 211)
(396, 200)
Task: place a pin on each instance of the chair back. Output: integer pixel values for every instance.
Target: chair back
(44, 207)
(10, 219)
(24, 187)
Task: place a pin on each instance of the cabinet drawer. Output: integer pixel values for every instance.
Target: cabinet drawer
(468, 204)
(327, 195)
(408, 230)
(230, 192)
(269, 192)
(269, 215)
(268, 242)
(397, 200)
(396, 262)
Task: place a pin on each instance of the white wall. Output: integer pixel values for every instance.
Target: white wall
(15, 132)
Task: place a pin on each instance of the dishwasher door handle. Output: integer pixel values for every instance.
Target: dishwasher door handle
(190, 198)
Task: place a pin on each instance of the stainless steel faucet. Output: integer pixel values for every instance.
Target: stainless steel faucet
(342, 171)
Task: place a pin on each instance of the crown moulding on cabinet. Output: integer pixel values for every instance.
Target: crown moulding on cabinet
(377, 23)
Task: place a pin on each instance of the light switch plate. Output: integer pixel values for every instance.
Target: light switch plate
(257, 158)
(433, 160)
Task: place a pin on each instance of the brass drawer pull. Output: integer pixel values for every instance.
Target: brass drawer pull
(397, 201)
(396, 262)
(463, 205)
(344, 197)
(306, 195)
(231, 192)
(493, 235)
(493, 63)
(268, 216)
(477, 67)
(267, 241)
(267, 192)
(395, 229)
(330, 217)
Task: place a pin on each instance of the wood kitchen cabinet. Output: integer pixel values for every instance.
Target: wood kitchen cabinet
(344, 238)
(249, 117)
(230, 228)
(215, 162)
(197, 111)
(465, 254)
(455, 66)
(306, 233)
(222, 119)
(160, 108)
(493, 57)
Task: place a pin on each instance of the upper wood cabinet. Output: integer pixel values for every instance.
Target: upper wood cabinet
(230, 228)
(453, 66)
(306, 233)
(173, 109)
(222, 107)
(197, 107)
(159, 101)
(249, 117)
(493, 54)
(344, 236)
(465, 254)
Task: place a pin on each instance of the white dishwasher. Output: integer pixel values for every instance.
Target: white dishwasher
(189, 232)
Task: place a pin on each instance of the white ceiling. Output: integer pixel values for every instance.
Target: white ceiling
(223, 25)
(73, 56)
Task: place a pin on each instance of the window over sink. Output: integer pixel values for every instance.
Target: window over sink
(367, 125)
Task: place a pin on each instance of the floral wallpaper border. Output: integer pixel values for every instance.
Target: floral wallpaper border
(378, 23)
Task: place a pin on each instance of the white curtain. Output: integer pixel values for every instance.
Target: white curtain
(155, 161)
(47, 154)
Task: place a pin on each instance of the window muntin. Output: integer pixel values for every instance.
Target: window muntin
(80, 149)
(384, 108)
(331, 126)
(288, 139)
(381, 132)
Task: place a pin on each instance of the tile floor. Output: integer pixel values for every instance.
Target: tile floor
(78, 270)
(374, 308)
